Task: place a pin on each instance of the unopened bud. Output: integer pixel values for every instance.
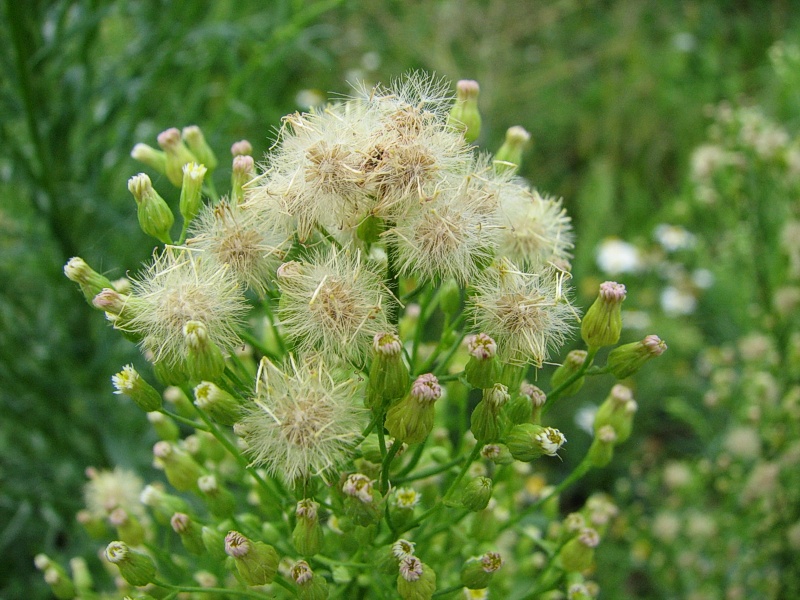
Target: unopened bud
(578, 553)
(89, 280)
(411, 420)
(190, 532)
(617, 411)
(626, 360)
(244, 170)
(136, 568)
(155, 217)
(499, 454)
(388, 374)
(180, 468)
(602, 449)
(130, 383)
(485, 419)
(217, 403)
(198, 146)
(165, 427)
(362, 502)
(476, 573)
(177, 155)
(482, 369)
(191, 188)
(256, 562)
(220, 501)
(509, 156)
(204, 359)
(129, 529)
(309, 586)
(528, 442)
(416, 581)
(307, 535)
(572, 364)
(150, 156)
(477, 493)
(465, 116)
(241, 148)
(602, 324)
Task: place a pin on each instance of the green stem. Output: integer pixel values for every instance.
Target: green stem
(582, 469)
(184, 420)
(430, 472)
(259, 347)
(387, 463)
(448, 590)
(470, 459)
(274, 326)
(285, 585)
(393, 280)
(414, 459)
(440, 346)
(555, 394)
(209, 590)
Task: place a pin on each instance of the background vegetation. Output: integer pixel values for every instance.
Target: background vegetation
(614, 92)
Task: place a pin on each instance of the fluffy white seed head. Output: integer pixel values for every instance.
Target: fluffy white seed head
(302, 422)
(536, 231)
(182, 286)
(107, 491)
(527, 315)
(238, 236)
(333, 304)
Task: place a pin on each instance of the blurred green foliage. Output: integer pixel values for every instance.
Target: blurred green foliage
(613, 93)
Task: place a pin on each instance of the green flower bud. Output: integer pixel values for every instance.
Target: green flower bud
(411, 420)
(511, 375)
(90, 281)
(476, 573)
(241, 148)
(572, 364)
(309, 586)
(150, 156)
(416, 581)
(60, 584)
(528, 442)
(477, 493)
(136, 568)
(465, 116)
(244, 170)
(163, 505)
(177, 155)
(482, 369)
(527, 406)
(602, 324)
(165, 427)
(129, 382)
(220, 501)
(171, 374)
(180, 468)
(203, 356)
(256, 562)
(129, 529)
(499, 454)
(509, 156)
(370, 229)
(93, 524)
(485, 419)
(579, 591)
(450, 297)
(388, 374)
(617, 411)
(214, 541)
(82, 577)
(362, 502)
(191, 200)
(384, 560)
(217, 403)
(402, 509)
(307, 535)
(602, 449)
(190, 532)
(198, 146)
(155, 217)
(626, 360)
(578, 553)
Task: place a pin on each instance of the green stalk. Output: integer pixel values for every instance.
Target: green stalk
(556, 393)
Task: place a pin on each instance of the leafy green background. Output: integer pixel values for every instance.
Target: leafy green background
(613, 92)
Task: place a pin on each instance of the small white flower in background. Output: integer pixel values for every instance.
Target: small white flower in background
(676, 302)
(674, 237)
(615, 256)
(584, 418)
(306, 99)
(702, 278)
(107, 491)
(635, 319)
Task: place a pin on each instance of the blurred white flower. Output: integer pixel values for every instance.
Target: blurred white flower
(676, 302)
(584, 418)
(702, 278)
(615, 256)
(674, 237)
